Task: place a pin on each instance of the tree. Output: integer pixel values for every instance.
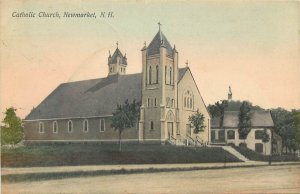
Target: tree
(265, 138)
(197, 122)
(284, 126)
(244, 125)
(297, 125)
(124, 117)
(12, 130)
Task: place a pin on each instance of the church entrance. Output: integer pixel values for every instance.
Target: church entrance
(170, 123)
(170, 129)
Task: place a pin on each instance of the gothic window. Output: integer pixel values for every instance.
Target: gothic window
(41, 127)
(168, 102)
(151, 125)
(102, 125)
(170, 75)
(55, 127)
(155, 102)
(148, 102)
(173, 103)
(150, 75)
(85, 126)
(166, 75)
(70, 126)
(157, 70)
(188, 100)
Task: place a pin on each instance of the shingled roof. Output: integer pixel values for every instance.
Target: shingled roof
(231, 119)
(118, 53)
(154, 46)
(91, 98)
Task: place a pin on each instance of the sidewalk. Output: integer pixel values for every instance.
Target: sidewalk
(163, 167)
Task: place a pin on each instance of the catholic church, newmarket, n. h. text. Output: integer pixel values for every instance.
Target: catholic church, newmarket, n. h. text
(81, 111)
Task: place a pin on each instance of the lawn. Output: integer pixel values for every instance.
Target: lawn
(93, 154)
(252, 155)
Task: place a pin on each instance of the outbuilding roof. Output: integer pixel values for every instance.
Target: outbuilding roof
(231, 119)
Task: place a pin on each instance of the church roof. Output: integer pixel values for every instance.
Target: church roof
(91, 98)
(117, 53)
(155, 44)
(231, 119)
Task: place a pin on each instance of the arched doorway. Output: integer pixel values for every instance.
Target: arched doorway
(170, 123)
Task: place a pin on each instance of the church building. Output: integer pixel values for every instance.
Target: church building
(81, 111)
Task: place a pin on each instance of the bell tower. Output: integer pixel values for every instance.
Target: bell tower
(159, 90)
(117, 63)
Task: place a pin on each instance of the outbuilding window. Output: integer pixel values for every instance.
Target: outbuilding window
(258, 134)
(230, 134)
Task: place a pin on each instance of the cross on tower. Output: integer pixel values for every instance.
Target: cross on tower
(187, 63)
(159, 24)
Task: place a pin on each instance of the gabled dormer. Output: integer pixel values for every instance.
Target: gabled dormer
(117, 63)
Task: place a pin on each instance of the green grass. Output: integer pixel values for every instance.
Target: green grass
(93, 154)
(252, 155)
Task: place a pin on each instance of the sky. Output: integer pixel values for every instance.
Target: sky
(252, 46)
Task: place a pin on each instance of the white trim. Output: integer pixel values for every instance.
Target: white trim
(83, 126)
(100, 122)
(41, 126)
(67, 118)
(53, 124)
(71, 126)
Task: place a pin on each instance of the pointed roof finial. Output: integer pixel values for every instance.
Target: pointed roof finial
(159, 24)
(145, 43)
(117, 44)
(187, 63)
(109, 53)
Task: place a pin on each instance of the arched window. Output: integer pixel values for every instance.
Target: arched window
(148, 102)
(150, 75)
(168, 102)
(188, 99)
(55, 127)
(166, 75)
(170, 75)
(155, 102)
(157, 71)
(85, 126)
(151, 125)
(70, 126)
(41, 127)
(102, 125)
